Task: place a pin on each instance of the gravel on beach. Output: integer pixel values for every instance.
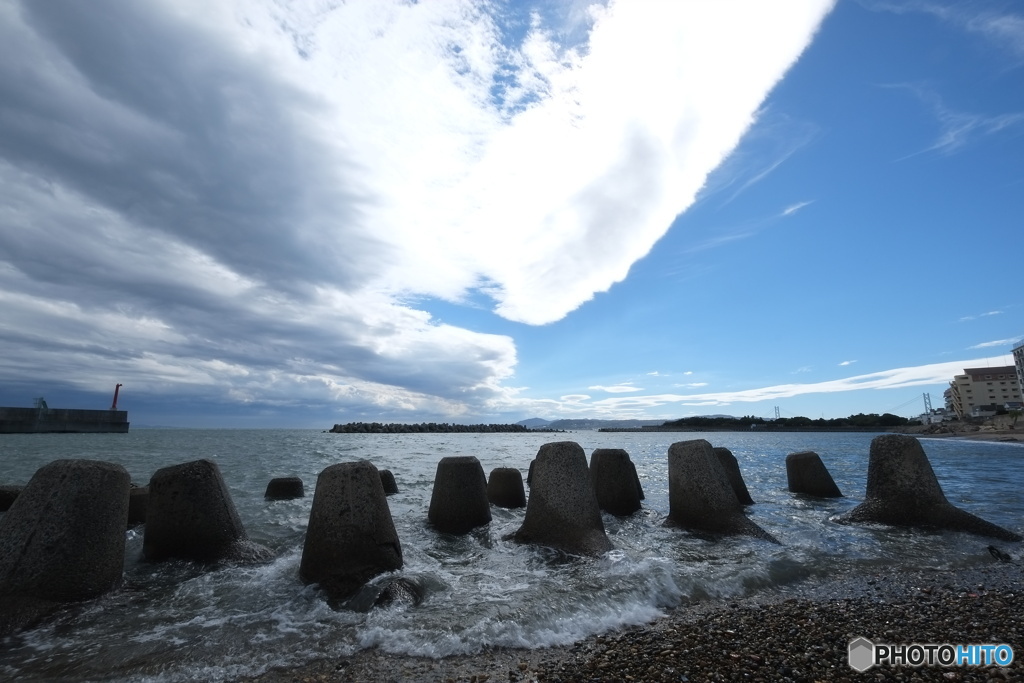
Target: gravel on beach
(799, 634)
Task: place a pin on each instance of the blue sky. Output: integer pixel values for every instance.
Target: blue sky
(259, 214)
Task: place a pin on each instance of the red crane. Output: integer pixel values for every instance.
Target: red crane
(113, 406)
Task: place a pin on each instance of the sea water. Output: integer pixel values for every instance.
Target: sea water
(178, 621)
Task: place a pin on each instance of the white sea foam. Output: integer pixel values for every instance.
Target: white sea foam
(184, 622)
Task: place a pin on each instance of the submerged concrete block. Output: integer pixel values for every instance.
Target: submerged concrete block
(285, 488)
(387, 480)
(806, 473)
(616, 484)
(902, 490)
(732, 471)
(562, 512)
(138, 503)
(191, 517)
(700, 495)
(7, 496)
(505, 488)
(351, 536)
(458, 502)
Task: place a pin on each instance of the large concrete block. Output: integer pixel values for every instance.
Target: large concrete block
(616, 484)
(807, 474)
(63, 539)
(284, 488)
(191, 517)
(700, 495)
(458, 502)
(387, 480)
(351, 537)
(138, 503)
(732, 471)
(505, 488)
(7, 496)
(902, 490)
(562, 511)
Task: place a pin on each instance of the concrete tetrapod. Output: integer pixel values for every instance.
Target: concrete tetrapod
(700, 496)
(351, 537)
(616, 484)
(7, 496)
(458, 502)
(505, 488)
(284, 488)
(562, 512)
(62, 540)
(806, 473)
(902, 490)
(138, 503)
(732, 471)
(387, 480)
(191, 516)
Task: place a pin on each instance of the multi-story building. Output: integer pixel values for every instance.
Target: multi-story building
(982, 391)
(1018, 362)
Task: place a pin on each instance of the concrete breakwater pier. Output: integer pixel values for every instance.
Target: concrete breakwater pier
(44, 420)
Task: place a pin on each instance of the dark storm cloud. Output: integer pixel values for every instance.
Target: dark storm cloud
(157, 121)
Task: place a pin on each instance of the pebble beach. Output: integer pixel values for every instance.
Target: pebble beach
(800, 635)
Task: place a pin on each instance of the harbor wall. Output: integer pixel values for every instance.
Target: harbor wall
(39, 420)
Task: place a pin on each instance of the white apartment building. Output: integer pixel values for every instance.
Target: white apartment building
(1018, 362)
(970, 392)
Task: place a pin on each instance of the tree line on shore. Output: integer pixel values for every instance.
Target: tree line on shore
(858, 421)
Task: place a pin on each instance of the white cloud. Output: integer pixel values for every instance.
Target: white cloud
(616, 388)
(967, 318)
(790, 210)
(1002, 28)
(990, 344)
(692, 385)
(847, 362)
(241, 199)
(613, 142)
(958, 128)
(899, 378)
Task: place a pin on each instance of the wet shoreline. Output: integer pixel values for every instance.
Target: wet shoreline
(798, 633)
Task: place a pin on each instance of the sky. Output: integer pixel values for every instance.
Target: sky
(264, 213)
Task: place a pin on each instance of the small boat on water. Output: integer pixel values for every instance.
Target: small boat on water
(42, 419)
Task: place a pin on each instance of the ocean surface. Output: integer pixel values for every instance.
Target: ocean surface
(182, 622)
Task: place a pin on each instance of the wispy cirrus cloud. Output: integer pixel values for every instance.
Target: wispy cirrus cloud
(967, 318)
(996, 343)
(623, 388)
(996, 23)
(793, 208)
(847, 362)
(957, 128)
